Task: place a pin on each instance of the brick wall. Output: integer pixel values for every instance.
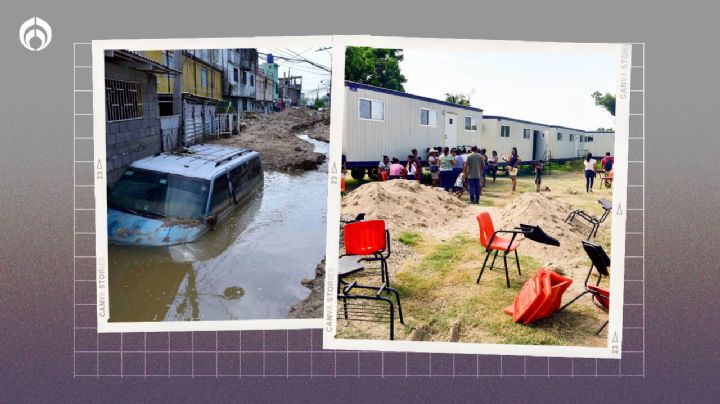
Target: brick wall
(134, 139)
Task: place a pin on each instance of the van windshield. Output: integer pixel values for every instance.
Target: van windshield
(156, 194)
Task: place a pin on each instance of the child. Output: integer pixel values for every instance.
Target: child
(537, 168)
(460, 185)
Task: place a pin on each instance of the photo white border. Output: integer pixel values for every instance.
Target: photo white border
(100, 184)
(617, 254)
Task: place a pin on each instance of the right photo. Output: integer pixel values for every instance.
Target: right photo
(478, 194)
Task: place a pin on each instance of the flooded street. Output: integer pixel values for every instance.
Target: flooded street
(248, 267)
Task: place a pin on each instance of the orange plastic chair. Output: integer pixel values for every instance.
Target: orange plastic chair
(492, 242)
(342, 184)
(601, 263)
(539, 297)
(383, 176)
(369, 238)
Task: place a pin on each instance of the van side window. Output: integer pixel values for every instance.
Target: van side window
(239, 178)
(255, 167)
(220, 194)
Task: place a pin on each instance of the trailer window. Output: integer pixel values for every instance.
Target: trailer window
(559, 136)
(428, 117)
(470, 123)
(504, 131)
(526, 133)
(572, 137)
(371, 109)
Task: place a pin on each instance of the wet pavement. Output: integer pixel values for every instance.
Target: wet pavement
(248, 267)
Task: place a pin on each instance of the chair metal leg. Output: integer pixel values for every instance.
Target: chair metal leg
(517, 261)
(572, 301)
(507, 274)
(602, 328)
(493, 261)
(483, 267)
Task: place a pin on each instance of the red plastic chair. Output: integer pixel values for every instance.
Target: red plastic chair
(601, 263)
(369, 238)
(383, 175)
(342, 184)
(539, 297)
(492, 242)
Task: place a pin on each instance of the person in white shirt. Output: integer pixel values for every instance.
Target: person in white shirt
(590, 164)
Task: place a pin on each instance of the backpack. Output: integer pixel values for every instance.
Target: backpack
(608, 164)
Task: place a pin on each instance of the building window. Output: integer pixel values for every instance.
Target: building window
(371, 109)
(582, 139)
(236, 75)
(526, 133)
(204, 78)
(167, 58)
(559, 136)
(252, 81)
(589, 138)
(123, 100)
(428, 117)
(572, 137)
(470, 123)
(244, 77)
(504, 131)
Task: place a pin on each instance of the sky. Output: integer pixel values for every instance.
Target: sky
(546, 88)
(312, 76)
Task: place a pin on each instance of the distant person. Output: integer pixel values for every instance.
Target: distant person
(492, 166)
(384, 165)
(589, 172)
(513, 166)
(537, 170)
(434, 164)
(606, 164)
(396, 169)
(483, 154)
(417, 158)
(458, 165)
(473, 173)
(446, 169)
(460, 185)
(411, 168)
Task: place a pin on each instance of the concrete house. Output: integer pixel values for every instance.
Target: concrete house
(381, 122)
(290, 88)
(264, 88)
(132, 110)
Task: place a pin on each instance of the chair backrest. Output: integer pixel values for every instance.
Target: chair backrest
(365, 238)
(487, 229)
(598, 256)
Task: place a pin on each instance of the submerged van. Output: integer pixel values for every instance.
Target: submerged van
(176, 197)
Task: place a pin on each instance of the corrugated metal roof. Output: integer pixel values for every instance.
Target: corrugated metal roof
(198, 161)
(352, 85)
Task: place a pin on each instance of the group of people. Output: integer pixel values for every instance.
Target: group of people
(454, 169)
(591, 169)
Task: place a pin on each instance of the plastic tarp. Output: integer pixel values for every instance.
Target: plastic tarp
(539, 297)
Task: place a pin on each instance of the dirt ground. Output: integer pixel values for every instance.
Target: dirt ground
(311, 306)
(274, 136)
(440, 258)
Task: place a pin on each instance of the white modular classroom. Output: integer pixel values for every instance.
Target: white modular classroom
(381, 122)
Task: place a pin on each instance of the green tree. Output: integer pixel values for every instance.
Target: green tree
(375, 66)
(226, 107)
(606, 101)
(458, 98)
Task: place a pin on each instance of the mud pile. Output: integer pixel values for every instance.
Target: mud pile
(274, 136)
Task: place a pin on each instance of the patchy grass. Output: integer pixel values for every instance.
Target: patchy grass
(410, 238)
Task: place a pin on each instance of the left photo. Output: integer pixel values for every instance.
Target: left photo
(215, 186)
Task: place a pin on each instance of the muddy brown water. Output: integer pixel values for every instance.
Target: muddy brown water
(248, 267)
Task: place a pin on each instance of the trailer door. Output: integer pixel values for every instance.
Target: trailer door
(450, 129)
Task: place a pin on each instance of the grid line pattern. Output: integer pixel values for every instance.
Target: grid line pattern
(299, 353)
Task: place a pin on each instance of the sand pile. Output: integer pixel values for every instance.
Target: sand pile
(405, 205)
(548, 213)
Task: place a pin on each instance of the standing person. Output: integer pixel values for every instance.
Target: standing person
(483, 154)
(434, 164)
(411, 168)
(589, 163)
(458, 164)
(396, 169)
(537, 169)
(513, 165)
(446, 169)
(493, 165)
(473, 172)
